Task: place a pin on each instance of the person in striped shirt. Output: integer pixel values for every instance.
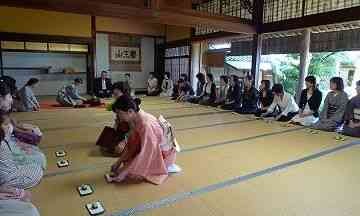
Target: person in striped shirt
(12, 174)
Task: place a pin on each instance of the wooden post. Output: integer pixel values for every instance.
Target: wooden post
(1, 61)
(92, 58)
(258, 14)
(256, 59)
(304, 61)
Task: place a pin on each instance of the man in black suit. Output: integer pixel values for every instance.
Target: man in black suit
(103, 86)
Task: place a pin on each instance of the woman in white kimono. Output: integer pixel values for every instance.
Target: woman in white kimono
(167, 86)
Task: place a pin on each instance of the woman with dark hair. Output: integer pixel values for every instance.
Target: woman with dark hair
(69, 96)
(20, 134)
(150, 150)
(120, 88)
(185, 91)
(120, 127)
(15, 177)
(233, 100)
(310, 102)
(223, 91)
(283, 107)
(13, 173)
(152, 85)
(333, 111)
(249, 97)
(26, 100)
(265, 97)
(208, 96)
(199, 88)
(167, 86)
(352, 115)
(6, 100)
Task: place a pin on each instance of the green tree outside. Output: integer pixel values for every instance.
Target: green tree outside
(323, 66)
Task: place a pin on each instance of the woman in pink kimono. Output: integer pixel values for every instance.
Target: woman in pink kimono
(149, 153)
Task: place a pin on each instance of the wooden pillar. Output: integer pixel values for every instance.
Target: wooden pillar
(256, 59)
(304, 61)
(195, 61)
(92, 58)
(1, 62)
(258, 13)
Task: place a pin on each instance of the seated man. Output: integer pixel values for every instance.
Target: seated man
(352, 115)
(103, 86)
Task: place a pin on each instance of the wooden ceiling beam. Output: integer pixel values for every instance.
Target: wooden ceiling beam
(326, 18)
(160, 15)
(191, 18)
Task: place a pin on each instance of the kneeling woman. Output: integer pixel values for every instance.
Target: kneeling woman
(333, 111)
(69, 96)
(352, 115)
(148, 154)
(283, 107)
(310, 101)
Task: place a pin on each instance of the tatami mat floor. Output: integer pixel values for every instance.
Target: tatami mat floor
(232, 165)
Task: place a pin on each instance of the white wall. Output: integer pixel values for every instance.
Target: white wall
(55, 79)
(57, 61)
(139, 77)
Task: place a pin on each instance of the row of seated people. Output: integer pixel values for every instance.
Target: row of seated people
(134, 162)
(103, 85)
(26, 101)
(21, 162)
(338, 112)
(69, 95)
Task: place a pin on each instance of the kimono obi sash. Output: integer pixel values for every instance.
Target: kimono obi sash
(331, 110)
(357, 114)
(170, 141)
